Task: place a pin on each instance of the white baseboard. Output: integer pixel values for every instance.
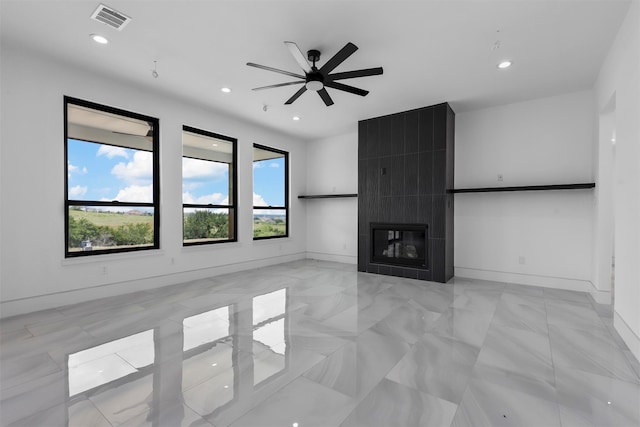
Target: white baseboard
(60, 299)
(628, 335)
(525, 279)
(345, 259)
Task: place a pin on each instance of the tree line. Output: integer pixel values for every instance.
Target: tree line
(103, 235)
(206, 225)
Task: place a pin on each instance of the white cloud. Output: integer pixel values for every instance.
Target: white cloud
(258, 165)
(194, 168)
(137, 170)
(135, 193)
(274, 165)
(110, 151)
(78, 190)
(213, 199)
(258, 200)
(76, 169)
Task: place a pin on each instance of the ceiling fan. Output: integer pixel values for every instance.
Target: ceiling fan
(318, 79)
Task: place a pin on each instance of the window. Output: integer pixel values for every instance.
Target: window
(112, 189)
(208, 187)
(270, 193)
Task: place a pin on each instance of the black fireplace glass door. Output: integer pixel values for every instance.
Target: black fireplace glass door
(399, 244)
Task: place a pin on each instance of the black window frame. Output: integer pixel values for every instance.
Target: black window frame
(233, 182)
(155, 204)
(286, 194)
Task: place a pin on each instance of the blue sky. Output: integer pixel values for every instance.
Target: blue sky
(104, 172)
(268, 179)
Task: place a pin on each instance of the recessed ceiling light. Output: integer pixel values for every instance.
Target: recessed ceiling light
(505, 64)
(225, 90)
(296, 118)
(99, 39)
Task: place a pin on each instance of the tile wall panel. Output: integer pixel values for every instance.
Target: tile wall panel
(397, 134)
(386, 175)
(425, 211)
(425, 131)
(397, 176)
(438, 222)
(411, 132)
(437, 267)
(386, 144)
(397, 210)
(439, 172)
(411, 210)
(425, 172)
(410, 174)
(373, 177)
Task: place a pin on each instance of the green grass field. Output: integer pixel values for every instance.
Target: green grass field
(110, 219)
(261, 229)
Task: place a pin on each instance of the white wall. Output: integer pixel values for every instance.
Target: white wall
(538, 238)
(35, 275)
(619, 78)
(332, 224)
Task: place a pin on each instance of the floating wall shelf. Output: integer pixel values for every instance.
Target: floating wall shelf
(325, 196)
(525, 188)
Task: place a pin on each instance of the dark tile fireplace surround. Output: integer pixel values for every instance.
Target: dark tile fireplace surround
(405, 215)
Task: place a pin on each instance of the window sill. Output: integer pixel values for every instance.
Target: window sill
(266, 240)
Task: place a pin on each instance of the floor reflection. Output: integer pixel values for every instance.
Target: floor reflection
(215, 357)
(103, 364)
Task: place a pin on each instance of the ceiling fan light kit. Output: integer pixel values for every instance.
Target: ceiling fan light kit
(318, 80)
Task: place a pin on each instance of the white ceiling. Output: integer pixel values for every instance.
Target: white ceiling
(431, 51)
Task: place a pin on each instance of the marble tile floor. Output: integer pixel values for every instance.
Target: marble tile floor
(313, 343)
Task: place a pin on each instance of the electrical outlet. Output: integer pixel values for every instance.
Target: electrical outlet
(500, 177)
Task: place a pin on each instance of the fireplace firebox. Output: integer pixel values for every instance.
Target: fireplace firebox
(399, 244)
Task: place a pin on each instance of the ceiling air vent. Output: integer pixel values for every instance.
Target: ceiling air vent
(110, 17)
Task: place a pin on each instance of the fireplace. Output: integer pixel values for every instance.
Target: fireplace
(405, 209)
(399, 244)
